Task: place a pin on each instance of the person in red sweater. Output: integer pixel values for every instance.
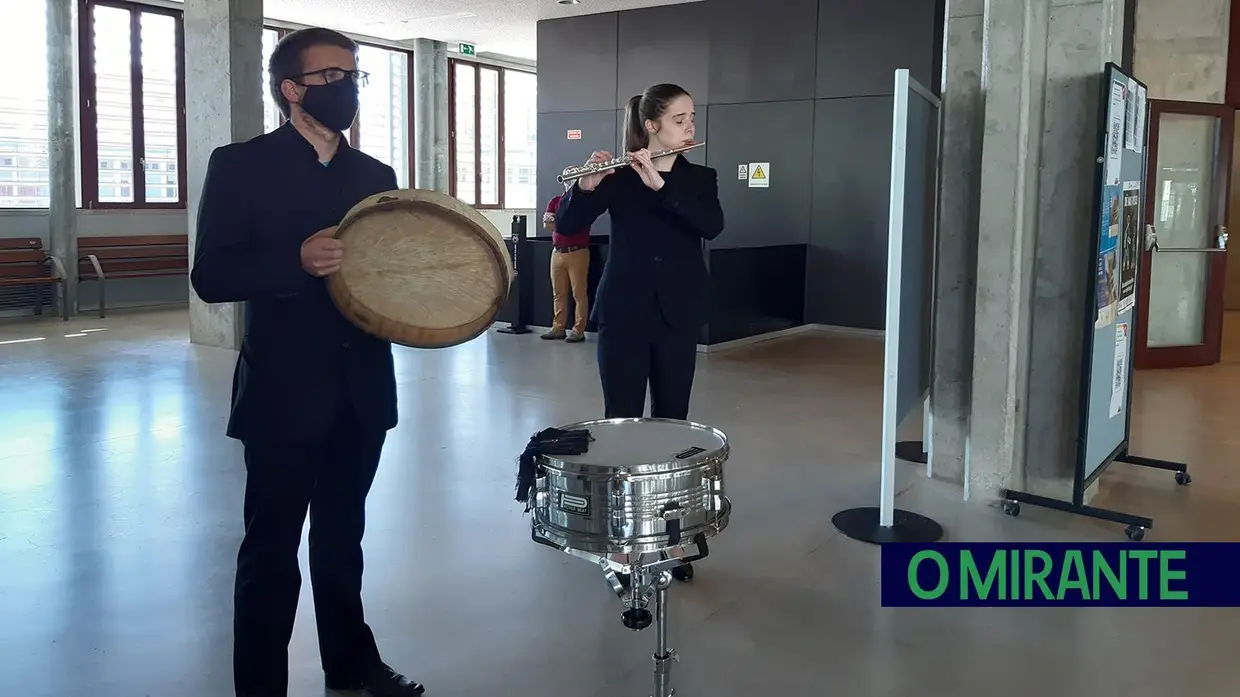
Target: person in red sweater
(570, 268)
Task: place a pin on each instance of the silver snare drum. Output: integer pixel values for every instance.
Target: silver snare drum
(645, 485)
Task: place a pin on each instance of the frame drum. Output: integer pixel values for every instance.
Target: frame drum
(645, 485)
(420, 269)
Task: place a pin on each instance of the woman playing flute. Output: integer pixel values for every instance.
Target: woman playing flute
(652, 299)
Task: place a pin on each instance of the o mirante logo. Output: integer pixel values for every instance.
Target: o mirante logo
(1112, 574)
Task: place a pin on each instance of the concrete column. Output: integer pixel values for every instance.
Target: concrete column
(62, 143)
(956, 256)
(224, 104)
(430, 122)
(1043, 59)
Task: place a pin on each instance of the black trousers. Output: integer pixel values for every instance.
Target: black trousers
(330, 478)
(662, 356)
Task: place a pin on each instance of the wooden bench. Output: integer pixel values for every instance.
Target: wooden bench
(25, 265)
(131, 256)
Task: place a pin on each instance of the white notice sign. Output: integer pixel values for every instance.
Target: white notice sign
(1139, 136)
(759, 175)
(1115, 133)
(742, 172)
(1119, 374)
(574, 134)
(1130, 116)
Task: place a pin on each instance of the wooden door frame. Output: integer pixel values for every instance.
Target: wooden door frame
(1209, 351)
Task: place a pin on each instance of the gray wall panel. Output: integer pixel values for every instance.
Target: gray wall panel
(762, 51)
(556, 151)
(847, 261)
(861, 43)
(577, 61)
(664, 44)
(780, 214)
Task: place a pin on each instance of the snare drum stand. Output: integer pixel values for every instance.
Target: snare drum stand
(646, 581)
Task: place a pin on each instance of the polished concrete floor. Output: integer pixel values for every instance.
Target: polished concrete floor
(120, 508)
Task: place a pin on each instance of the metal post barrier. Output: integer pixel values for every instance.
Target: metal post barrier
(519, 248)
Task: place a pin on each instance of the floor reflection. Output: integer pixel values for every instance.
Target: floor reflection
(120, 516)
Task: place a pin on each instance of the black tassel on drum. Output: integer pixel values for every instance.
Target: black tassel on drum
(550, 441)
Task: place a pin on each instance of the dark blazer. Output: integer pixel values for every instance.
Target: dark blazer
(301, 361)
(655, 253)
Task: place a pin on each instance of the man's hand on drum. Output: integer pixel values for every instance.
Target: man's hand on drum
(322, 253)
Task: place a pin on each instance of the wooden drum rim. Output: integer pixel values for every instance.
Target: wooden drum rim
(378, 324)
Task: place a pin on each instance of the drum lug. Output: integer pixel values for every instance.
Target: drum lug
(672, 514)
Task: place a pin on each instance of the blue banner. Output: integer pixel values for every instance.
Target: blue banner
(1190, 574)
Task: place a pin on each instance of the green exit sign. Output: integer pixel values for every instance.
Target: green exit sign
(468, 50)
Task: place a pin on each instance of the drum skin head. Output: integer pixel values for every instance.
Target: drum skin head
(420, 269)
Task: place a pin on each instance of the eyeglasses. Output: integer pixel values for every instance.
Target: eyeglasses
(330, 75)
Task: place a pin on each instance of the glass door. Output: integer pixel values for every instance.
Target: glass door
(1183, 272)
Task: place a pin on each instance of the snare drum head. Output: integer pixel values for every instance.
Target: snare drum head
(630, 442)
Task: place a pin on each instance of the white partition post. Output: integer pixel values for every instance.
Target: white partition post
(904, 335)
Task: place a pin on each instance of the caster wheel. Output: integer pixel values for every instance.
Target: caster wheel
(637, 619)
(1183, 478)
(683, 573)
(1135, 533)
(1011, 508)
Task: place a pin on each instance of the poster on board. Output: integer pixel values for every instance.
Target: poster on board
(1119, 371)
(1130, 116)
(1115, 133)
(1128, 246)
(1108, 256)
(1139, 98)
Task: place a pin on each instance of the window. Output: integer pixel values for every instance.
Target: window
(384, 122)
(133, 98)
(520, 138)
(272, 118)
(493, 135)
(24, 176)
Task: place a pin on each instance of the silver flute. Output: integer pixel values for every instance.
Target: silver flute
(572, 174)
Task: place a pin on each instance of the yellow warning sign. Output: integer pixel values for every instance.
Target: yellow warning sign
(759, 175)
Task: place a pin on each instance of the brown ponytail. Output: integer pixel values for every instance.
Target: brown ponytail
(635, 136)
(648, 106)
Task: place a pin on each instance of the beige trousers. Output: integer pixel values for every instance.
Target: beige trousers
(569, 272)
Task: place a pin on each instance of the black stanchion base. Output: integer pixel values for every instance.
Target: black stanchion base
(1181, 469)
(862, 524)
(515, 329)
(911, 451)
(1137, 525)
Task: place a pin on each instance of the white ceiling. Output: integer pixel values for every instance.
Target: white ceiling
(495, 27)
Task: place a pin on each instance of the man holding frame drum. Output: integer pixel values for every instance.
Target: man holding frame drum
(313, 395)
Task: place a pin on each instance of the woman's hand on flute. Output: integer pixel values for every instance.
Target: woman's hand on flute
(590, 181)
(645, 169)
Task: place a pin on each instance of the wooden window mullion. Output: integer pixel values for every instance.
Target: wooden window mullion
(89, 105)
(136, 102)
(501, 173)
(411, 133)
(452, 117)
(477, 135)
(182, 137)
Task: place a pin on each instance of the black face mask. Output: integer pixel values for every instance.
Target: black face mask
(334, 105)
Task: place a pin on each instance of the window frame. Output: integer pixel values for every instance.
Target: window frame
(355, 132)
(501, 167)
(88, 106)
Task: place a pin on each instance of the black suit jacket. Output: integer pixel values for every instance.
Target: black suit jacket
(301, 361)
(655, 255)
